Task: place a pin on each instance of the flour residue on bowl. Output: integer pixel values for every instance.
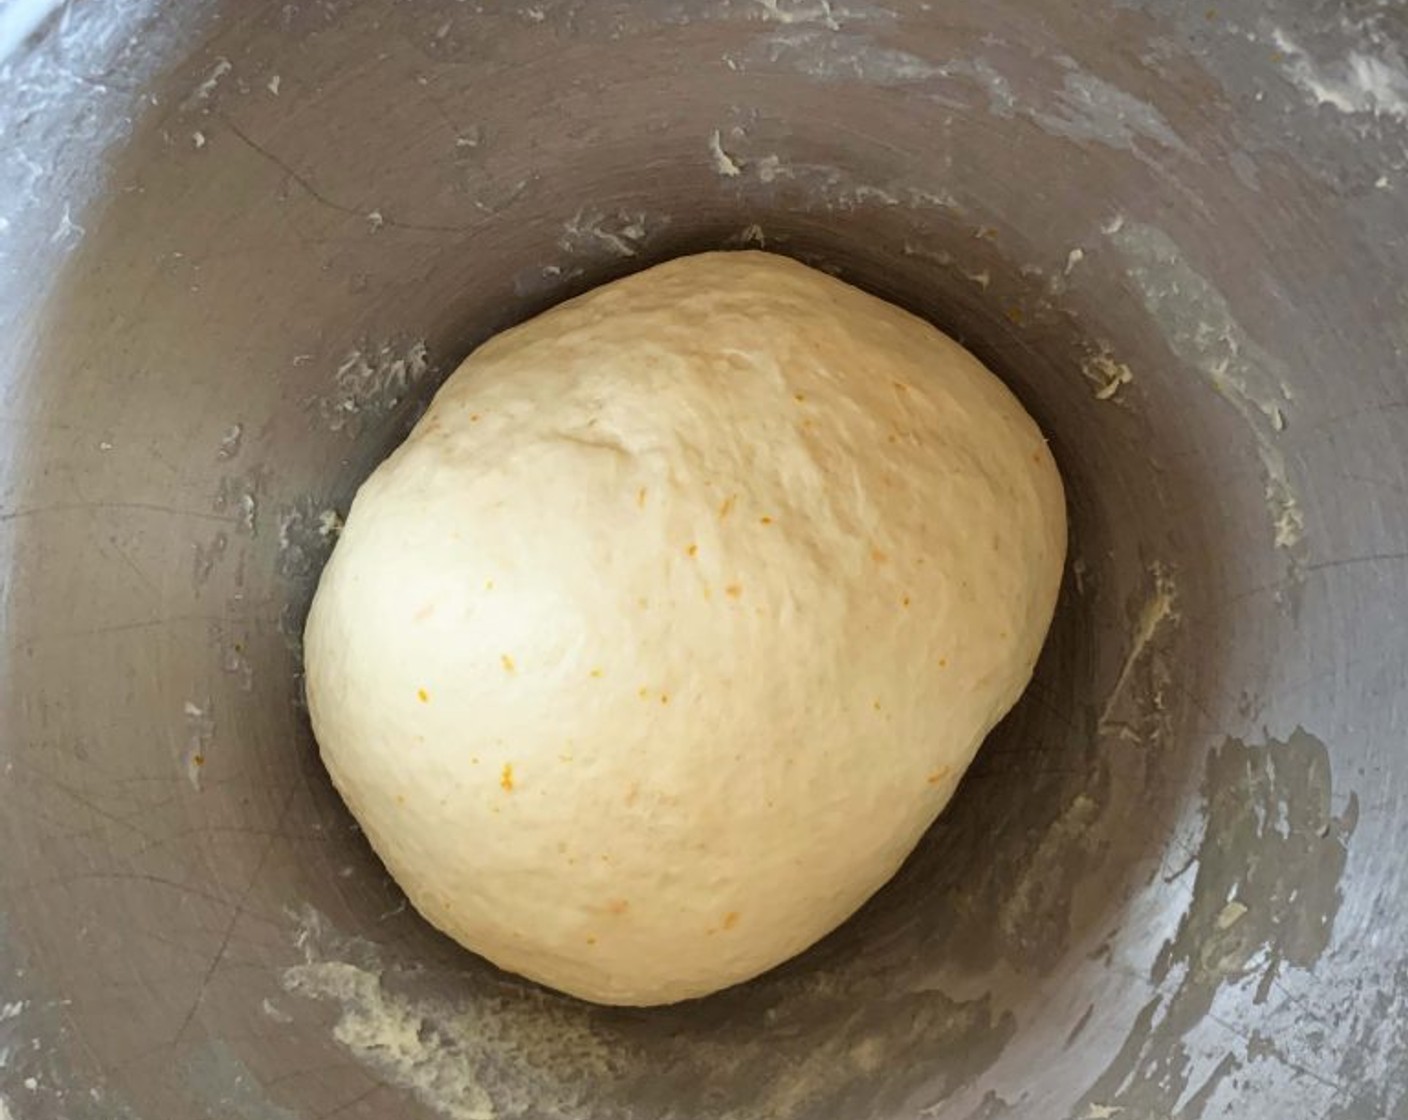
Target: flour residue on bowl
(499, 1057)
(827, 57)
(1361, 82)
(620, 233)
(724, 163)
(1263, 900)
(370, 382)
(1158, 612)
(825, 186)
(1105, 374)
(980, 278)
(237, 499)
(1064, 99)
(307, 532)
(823, 12)
(476, 1046)
(207, 85)
(1201, 330)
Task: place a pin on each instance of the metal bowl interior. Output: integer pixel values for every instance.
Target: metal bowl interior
(242, 243)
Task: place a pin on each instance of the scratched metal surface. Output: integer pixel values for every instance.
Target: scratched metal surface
(239, 244)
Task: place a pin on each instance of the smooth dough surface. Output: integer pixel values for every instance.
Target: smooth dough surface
(653, 651)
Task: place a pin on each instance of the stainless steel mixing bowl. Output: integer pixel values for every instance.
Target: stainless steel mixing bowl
(242, 241)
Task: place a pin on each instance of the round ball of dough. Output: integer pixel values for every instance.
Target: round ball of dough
(654, 650)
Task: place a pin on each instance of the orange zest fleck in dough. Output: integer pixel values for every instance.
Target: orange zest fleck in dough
(726, 506)
(422, 696)
(765, 520)
(598, 672)
(640, 497)
(509, 666)
(730, 919)
(879, 555)
(734, 591)
(617, 906)
(506, 778)
(693, 550)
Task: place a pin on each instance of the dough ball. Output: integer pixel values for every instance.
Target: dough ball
(654, 650)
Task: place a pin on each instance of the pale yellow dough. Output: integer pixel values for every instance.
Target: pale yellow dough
(653, 651)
